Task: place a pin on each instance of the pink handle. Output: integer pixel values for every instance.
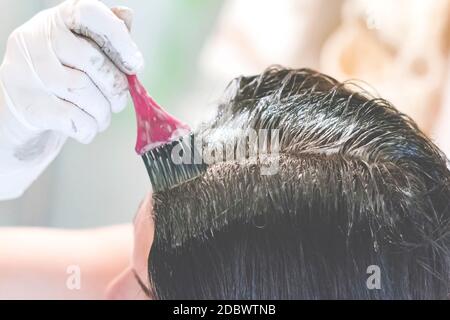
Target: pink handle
(154, 125)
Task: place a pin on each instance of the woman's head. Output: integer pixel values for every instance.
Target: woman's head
(133, 282)
(357, 184)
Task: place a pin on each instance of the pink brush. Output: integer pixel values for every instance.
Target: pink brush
(158, 133)
(154, 125)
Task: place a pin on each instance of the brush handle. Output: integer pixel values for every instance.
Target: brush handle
(154, 125)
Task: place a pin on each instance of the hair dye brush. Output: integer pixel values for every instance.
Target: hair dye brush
(165, 143)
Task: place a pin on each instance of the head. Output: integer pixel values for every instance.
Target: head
(357, 185)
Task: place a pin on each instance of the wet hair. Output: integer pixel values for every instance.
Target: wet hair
(358, 185)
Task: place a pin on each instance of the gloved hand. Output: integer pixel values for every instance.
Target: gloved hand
(62, 76)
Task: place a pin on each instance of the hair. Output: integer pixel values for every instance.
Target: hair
(358, 185)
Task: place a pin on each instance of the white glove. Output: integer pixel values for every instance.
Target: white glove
(62, 76)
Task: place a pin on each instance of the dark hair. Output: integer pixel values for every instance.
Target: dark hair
(358, 185)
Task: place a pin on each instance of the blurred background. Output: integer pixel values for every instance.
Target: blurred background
(193, 48)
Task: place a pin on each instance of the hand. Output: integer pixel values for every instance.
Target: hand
(63, 75)
(64, 69)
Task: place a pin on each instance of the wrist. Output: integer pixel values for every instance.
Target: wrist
(14, 131)
(24, 153)
(21, 145)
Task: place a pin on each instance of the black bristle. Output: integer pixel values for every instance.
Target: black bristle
(164, 173)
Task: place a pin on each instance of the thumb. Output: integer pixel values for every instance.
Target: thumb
(125, 14)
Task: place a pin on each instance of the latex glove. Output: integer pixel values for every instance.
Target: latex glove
(62, 76)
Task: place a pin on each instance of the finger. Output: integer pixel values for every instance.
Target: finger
(125, 14)
(93, 19)
(83, 93)
(81, 54)
(76, 87)
(64, 117)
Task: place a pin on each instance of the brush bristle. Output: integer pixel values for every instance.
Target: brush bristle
(164, 173)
